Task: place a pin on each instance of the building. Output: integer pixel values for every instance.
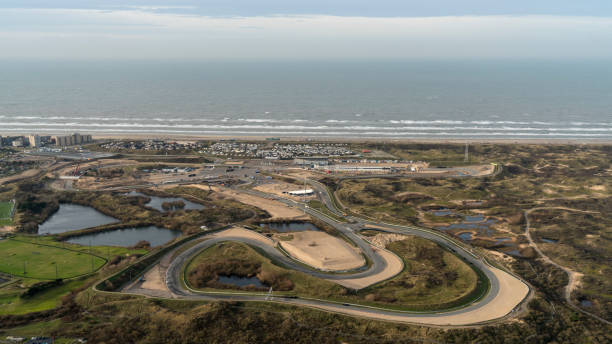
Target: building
(305, 192)
(17, 142)
(312, 161)
(34, 140)
(71, 140)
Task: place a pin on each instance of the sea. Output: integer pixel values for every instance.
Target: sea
(416, 99)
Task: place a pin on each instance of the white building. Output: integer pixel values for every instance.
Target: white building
(34, 140)
(305, 192)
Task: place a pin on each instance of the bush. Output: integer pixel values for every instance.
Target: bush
(40, 287)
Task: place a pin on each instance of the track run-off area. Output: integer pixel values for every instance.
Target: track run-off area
(504, 297)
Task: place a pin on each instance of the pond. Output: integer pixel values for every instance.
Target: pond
(550, 241)
(442, 212)
(241, 281)
(284, 227)
(156, 202)
(72, 217)
(470, 224)
(474, 218)
(127, 237)
(465, 236)
(586, 303)
(499, 241)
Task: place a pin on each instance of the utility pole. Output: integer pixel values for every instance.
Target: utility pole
(56, 274)
(467, 152)
(25, 263)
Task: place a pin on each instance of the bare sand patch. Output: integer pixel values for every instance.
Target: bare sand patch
(274, 208)
(22, 175)
(383, 239)
(7, 229)
(504, 257)
(153, 279)
(394, 265)
(322, 251)
(281, 189)
(244, 233)
(598, 188)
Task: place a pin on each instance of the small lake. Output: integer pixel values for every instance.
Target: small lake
(586, 303)
(465, 236)
(284, 227)
(241, 281)
(127, 237)
(550, 241)
(442, 212)
(156, 202)
(71, 217)
(474, 218)
(507, 241)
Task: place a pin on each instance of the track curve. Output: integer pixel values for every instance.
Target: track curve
(506, 292)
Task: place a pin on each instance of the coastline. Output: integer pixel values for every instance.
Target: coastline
(347, 139)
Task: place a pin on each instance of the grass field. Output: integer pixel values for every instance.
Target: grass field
(42, 262)
(11, 303)
(5, 213)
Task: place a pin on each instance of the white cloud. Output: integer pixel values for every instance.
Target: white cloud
(145, 33)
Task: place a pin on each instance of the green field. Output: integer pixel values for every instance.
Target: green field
(45, 262)
(11, 303)
(5, 213)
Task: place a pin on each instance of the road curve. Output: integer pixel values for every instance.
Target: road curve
(496, 304)
(505, 294)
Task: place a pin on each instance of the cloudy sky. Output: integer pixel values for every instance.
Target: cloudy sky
(313, 29)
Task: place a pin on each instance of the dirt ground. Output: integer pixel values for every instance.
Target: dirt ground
(24, 174)
(281, 189)
(276, 209)
(322, 251)
(245, 233)
(383, 239)
(7, 229)
(395, 265)
(153, 280)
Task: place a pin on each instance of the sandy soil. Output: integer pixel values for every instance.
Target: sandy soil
(7, 229)
(154, 280)
(24, 174)
(301, 173)
(281, 189)
(511, 292)
(322, 251)
(245, 233)
(504, 257)
(382, 240)
(274, 208)
(598, 187)
(394, 266)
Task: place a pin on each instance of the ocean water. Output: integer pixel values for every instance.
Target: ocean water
(409, 99)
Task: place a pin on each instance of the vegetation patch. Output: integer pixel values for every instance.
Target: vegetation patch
(433, 278)
(26, 259)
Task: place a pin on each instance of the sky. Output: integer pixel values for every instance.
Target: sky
(303, 30)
